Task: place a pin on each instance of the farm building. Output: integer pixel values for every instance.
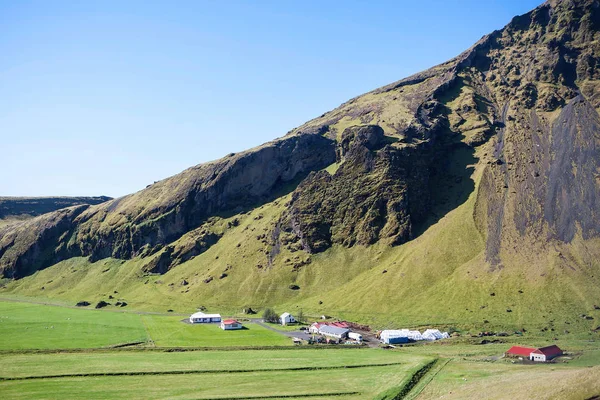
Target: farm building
(546, 353)
(405, 335)
(287, 318)
(434, 334)
(518, 351)
(394, 336)
(200, 317)
(334, 332)
(542, 354)
(314, 328)
(230, 324)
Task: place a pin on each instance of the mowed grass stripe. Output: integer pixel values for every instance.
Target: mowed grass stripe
(367, 381)
(285, 396)
(184, 372)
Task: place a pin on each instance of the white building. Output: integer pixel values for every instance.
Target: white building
(286, 318)
(201, 318)
(355, 336)
(230, 324)
(334, 332)
(405, 335)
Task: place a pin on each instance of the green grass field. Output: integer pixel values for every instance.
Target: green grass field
(53, 351)
(33, 326)
(40, 359)
(170, 331)
(36, 326)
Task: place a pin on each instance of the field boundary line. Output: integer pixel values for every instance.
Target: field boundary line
(181, 349)
(427, 380)
(202, 371)
(149, 339)
(284, 396)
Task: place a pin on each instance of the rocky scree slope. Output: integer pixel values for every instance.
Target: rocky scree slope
(521, 105)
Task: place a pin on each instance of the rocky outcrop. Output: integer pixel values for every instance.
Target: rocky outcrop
(144, 222)
(36, 243)
(372, 196)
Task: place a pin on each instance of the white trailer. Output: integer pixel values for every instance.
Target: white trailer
(355, 336)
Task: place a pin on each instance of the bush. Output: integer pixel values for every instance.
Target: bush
(270, 316)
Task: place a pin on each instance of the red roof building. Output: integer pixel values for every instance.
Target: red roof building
(518, 351)
(230, 324)
(541, 354)
(546, 353)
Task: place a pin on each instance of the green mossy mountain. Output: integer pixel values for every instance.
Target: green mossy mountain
(479, 175)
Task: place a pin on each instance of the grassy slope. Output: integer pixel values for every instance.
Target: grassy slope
(440, 278)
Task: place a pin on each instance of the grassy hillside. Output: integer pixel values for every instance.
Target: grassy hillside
(438, 279)
(465, 197)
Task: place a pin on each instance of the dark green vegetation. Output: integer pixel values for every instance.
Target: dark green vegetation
(464, 196)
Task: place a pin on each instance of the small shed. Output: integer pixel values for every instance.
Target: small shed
(287, 318)
(546, 353)
(334, 332)
(201, 318)
(230, 324)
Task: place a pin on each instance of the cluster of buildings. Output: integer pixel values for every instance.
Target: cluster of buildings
(541, 354)
(335, 330)
(226, 324)
(398, 336)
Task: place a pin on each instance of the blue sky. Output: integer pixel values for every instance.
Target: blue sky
(105, 97)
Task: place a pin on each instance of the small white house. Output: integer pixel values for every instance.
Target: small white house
(201, 318)
(230, 324)
(286, 318)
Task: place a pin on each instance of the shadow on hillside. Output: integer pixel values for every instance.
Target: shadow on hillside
(247, 204)
(450, 183)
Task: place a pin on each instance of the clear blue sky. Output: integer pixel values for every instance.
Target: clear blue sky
(105, 97)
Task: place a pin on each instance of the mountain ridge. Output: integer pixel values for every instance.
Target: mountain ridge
(504, 135)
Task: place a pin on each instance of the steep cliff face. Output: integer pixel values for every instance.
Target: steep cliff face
(520, 107)
(377, 192)
(142, 223)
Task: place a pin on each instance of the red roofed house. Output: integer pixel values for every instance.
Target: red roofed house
(541, 354)
(230, 324)
(546, 353)
(518, 351)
